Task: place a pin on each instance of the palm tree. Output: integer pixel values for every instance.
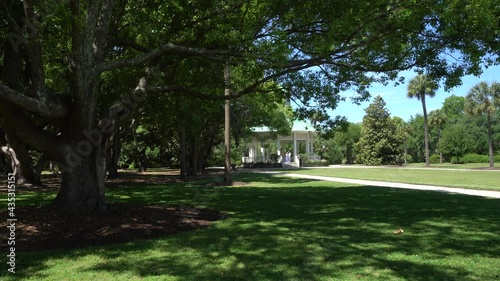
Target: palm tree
(438, 118)
(419, 87)
(483, 99)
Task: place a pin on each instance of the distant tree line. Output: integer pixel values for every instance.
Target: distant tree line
(465, 129)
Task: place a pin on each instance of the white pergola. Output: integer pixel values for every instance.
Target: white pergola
(301, 131)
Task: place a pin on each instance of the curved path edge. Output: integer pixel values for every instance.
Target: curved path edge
(473, 192)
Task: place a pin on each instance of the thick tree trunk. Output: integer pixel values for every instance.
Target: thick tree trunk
(490, 142)
(26, 172)
(11, 154)
(20, 159)
(426, 132)
(227, 128)
(40, 165)
(82, 186)
(4, 166)
(16, 166)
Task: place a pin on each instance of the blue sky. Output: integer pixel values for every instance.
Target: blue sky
(399, 105)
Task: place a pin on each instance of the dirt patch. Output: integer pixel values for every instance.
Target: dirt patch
(51, 182)
(42, 228)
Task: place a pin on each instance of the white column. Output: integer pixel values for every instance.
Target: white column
(263, 153)
(279, 146)
(308, 147)
(312, 144)
(256, 151)
(295, 159)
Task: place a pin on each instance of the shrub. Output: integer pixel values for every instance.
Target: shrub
(434, 159)
(315, 163)
(475, 158)
(333, 155)
(409, 159)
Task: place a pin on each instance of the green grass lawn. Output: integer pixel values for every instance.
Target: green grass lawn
(450, 166)
(487, 180)
(293, 229)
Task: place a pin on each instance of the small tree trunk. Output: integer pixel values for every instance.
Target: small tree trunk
(227, 128)
(440, 152)
(114, 156)
(426, 132)
(82, 186)
(490, 142)
(406, 152)
(183, 151)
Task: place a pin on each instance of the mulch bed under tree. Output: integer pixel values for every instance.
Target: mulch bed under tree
(42, 228)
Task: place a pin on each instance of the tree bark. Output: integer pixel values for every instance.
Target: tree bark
(426, 131)
(4, 166)
(227, 128)
(82, 186)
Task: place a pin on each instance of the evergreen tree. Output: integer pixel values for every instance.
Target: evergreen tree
(380, 144)
(456, 141)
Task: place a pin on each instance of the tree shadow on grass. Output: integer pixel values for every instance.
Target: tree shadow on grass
(295, 229)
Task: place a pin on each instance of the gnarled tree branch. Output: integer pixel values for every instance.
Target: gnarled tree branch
(25, 129)
(45, 109)
(167, 49)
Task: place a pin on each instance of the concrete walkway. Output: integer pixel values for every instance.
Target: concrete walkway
(473, 192)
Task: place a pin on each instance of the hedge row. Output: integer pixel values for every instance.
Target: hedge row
(477, 158)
